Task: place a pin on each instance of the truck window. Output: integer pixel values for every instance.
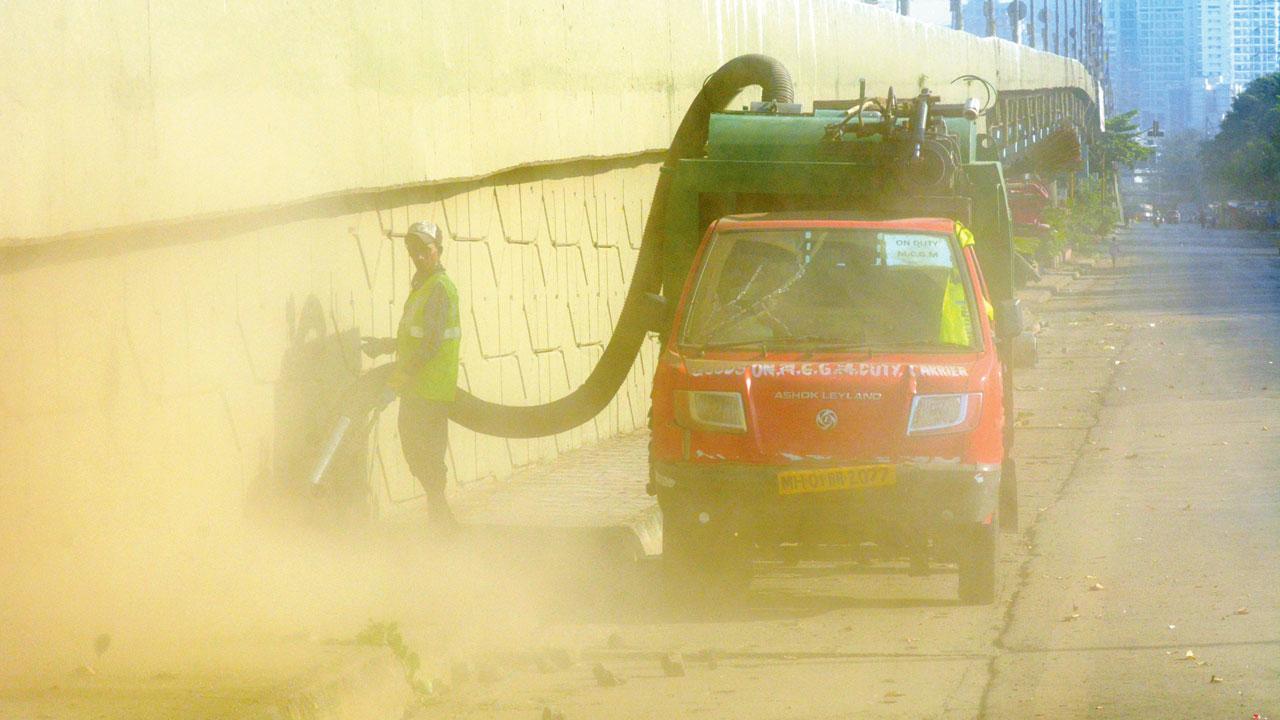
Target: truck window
(831, 287)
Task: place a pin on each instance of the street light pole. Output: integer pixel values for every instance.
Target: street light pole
(1069, 37)
(1057, 27)
(1030, 31)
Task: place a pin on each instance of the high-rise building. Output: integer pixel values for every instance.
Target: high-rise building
(1167, 61)
(1215, 65)
(1120, 37)
(1181, 62)
(1255, 39)
(1240, 41)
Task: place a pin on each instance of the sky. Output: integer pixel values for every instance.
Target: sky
(934, 11)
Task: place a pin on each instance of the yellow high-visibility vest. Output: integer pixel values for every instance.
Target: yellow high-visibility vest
(436, 378)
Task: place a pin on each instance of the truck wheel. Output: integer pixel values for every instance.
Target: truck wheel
(698, 569)
(978, 565)
(1008, 512)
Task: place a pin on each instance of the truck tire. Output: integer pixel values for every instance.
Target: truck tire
(698, 570)
(977, 562)
(1008, 512)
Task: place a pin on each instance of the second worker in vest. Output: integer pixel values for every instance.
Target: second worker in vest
(426, 373)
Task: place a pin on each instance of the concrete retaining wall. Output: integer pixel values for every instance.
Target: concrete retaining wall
(195, 195)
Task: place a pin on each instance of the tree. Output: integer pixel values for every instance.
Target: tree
(1179, 168)
(1118, 144)
(1088, 216)
(1244, 157)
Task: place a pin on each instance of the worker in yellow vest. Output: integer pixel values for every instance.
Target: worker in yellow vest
(426, 373)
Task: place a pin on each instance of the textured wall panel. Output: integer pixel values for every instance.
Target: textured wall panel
(122, 111)
(209, 370)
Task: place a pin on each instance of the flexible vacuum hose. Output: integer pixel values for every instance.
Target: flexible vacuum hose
(588, 399)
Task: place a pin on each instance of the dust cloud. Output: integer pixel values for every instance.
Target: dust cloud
(174, 575)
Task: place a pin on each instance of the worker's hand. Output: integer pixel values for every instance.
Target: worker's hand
(374, 347)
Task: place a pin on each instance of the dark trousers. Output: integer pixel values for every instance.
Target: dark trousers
(424, 438)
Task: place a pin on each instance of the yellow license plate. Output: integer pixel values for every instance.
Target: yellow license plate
(796, 482)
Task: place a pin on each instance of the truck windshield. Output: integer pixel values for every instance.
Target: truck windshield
(831, 288)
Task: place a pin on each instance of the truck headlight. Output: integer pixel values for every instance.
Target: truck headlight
(936, 414)
(710, 411)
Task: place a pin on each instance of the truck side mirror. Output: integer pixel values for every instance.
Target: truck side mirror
(1008, 320)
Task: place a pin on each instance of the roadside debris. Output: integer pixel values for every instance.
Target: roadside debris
(560, 657)
(604, 677)
(1241, 611)
(1096, 587)
(1214, 679)
(387, 634)
(672, 665)
(100, 645)
(710, 657)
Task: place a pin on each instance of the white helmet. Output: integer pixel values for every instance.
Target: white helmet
(426, 231)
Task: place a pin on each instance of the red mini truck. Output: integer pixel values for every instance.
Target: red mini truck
(829, 382)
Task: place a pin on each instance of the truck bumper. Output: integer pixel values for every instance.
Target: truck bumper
(744, 500)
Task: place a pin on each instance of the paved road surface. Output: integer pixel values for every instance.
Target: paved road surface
(1173, 507)
(1149, 450)
(1148, 456)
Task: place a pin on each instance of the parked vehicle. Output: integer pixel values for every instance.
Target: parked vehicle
(836, 369)
(829, 382)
